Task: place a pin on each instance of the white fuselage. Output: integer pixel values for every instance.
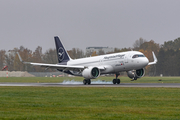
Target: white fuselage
(113, 63)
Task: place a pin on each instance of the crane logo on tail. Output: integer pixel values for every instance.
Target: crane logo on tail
(61, 54)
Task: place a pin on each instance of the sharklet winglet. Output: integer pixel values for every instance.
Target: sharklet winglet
(155, 59)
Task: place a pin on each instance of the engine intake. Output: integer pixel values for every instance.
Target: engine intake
(91, 73)
(134, 74)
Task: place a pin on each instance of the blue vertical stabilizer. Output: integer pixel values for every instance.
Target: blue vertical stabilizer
(62, 54)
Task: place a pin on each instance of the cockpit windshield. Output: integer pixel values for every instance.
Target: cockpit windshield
(136, 56)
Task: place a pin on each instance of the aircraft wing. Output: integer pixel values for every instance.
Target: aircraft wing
(57, 66)
(62, 67)
(155, 60)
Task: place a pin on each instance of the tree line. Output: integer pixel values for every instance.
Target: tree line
(168, 55)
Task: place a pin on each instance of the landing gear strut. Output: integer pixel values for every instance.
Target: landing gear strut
(116, 81)
(86, 81)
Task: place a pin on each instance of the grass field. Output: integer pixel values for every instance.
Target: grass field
(61, 79)
(89, 103)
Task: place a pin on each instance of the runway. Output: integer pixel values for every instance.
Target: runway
(165, 85)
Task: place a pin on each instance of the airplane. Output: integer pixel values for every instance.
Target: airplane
(133, 62)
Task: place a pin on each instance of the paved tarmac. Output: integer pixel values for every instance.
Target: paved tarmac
(166, 85)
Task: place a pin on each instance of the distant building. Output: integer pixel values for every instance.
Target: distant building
(93, 49)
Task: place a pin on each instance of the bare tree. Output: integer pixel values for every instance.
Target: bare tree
(38, 57)
(76, 53)
(50, 56)
(26, 55)
(2, 58)
(138, 43)
(10, 60)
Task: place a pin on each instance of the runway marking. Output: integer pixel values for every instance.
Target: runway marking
(167, 85)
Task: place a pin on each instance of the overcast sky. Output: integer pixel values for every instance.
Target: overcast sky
(83, 23)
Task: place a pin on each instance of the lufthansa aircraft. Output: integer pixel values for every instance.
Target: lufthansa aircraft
(133, 62)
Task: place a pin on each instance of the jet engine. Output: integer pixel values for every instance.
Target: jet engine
(134, 74)
(91, 73)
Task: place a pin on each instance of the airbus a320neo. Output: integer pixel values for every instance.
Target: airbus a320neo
(133, 62)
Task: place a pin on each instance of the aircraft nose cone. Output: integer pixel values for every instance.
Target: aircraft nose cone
(145, 61)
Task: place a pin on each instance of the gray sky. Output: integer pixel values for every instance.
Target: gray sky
(83, 23)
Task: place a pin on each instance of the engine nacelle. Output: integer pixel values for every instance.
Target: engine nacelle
(134, 74)
(91, 73)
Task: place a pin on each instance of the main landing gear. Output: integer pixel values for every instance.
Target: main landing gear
(135, 78)
(86, 81)
(116, 81)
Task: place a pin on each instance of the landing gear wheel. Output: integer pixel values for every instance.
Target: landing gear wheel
(118, 81)
(114, 81)
(88, 81)
(84, 81)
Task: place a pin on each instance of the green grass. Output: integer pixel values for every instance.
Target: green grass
(89, 103)
(61, 79)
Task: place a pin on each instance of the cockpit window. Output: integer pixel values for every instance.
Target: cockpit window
(136, 56)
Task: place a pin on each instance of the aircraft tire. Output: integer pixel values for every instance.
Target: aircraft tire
(114, 81)
(118, 81)
(84, 81)
(89, 81)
